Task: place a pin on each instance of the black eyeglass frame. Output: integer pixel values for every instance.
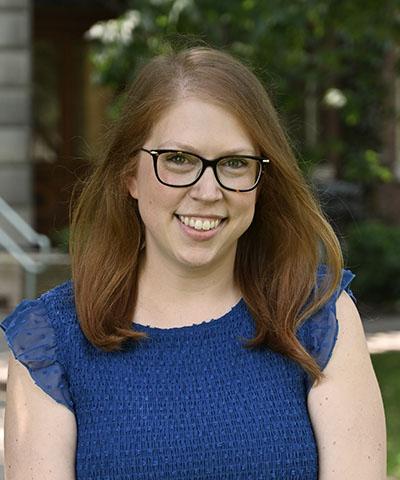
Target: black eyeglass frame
(206, 163)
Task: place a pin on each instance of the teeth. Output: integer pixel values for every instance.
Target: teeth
(198, 224)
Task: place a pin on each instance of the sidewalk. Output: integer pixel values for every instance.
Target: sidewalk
(382, 333)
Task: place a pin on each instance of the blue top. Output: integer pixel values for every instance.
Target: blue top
(189, 403)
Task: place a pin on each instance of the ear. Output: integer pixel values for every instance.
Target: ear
(132, 187)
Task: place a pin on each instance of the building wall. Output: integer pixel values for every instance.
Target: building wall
(68, 110)
(15, 107)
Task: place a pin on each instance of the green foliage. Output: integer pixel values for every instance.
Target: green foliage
(373, 249)
(60, 239)
(366, 168)
(387, 367)
(291, 45)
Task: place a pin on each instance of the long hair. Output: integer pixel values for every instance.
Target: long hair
(277, 257)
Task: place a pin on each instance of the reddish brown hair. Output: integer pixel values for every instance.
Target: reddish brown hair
(277, 257)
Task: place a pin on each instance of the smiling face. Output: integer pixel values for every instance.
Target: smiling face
(196, 226)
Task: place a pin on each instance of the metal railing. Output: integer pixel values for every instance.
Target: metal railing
(30, 265)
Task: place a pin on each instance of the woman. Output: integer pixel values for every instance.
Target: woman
(208, 294)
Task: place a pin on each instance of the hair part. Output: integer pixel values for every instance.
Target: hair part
(279, 253)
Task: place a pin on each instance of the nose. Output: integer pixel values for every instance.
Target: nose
(207, 188)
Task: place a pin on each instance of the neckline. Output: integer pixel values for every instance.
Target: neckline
(224, 323)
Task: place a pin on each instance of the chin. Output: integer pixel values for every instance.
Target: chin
(197, 261)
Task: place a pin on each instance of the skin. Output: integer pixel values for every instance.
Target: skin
(346, 409)
(175, 262)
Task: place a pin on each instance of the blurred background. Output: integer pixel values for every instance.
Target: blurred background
(331, 68)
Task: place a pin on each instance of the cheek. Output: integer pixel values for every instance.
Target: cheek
(156, 203)
(247, 210)
(249, 218)
(246, 207)
(149, 214)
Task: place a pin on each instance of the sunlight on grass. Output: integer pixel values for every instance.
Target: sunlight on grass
(387, 368)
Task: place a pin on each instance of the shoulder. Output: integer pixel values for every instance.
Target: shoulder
(319, 332)
(350, 341)
(351, 344)
(37, 334)
(350, 355)
(59, 299)
(346, 408)
(351, 334)
(54, 308)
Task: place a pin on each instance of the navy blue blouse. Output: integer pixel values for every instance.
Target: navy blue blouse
(188, 403)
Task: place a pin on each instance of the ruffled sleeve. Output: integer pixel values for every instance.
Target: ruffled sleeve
(32, 339)
(321, 329)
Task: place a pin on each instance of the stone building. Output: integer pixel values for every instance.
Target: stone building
(49, 116)
(16, 184)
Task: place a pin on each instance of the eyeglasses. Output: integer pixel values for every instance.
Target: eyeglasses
(177, 168)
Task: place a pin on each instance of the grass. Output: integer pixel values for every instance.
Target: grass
(387, 368)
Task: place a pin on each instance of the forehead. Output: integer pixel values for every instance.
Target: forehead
(203, 125)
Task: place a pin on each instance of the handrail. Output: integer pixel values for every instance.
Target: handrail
(22, 257)
(30, 265)
(23, 227)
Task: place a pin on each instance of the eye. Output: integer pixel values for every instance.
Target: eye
(235, 163)
(178, 158)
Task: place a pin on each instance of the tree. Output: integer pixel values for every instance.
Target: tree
(322, 60)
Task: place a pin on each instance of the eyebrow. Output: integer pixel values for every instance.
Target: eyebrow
(191, 148)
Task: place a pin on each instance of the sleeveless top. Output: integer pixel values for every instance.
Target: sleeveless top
(188, 403)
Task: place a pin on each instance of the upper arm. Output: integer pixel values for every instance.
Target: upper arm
(39, 433)
(346, 408)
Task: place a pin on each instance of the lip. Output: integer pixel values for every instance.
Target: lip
(200, 235)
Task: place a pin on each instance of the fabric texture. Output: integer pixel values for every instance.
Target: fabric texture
(187, 402)
(31, 338)
(320, 331)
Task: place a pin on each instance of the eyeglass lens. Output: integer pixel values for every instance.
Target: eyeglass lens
(236, 172)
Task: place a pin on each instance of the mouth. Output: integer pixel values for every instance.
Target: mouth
(200, 223)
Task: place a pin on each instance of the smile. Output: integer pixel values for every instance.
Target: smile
(200, 223)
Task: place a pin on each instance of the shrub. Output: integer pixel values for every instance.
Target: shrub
(373, 250)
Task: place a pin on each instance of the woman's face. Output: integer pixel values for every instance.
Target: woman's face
(210, 131)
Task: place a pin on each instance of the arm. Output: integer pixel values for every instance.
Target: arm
(39, 433)
(346, 409)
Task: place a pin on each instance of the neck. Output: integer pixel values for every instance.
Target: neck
(164, 280)
(174, 291)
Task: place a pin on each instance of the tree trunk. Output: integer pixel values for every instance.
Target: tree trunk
(389, 125)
